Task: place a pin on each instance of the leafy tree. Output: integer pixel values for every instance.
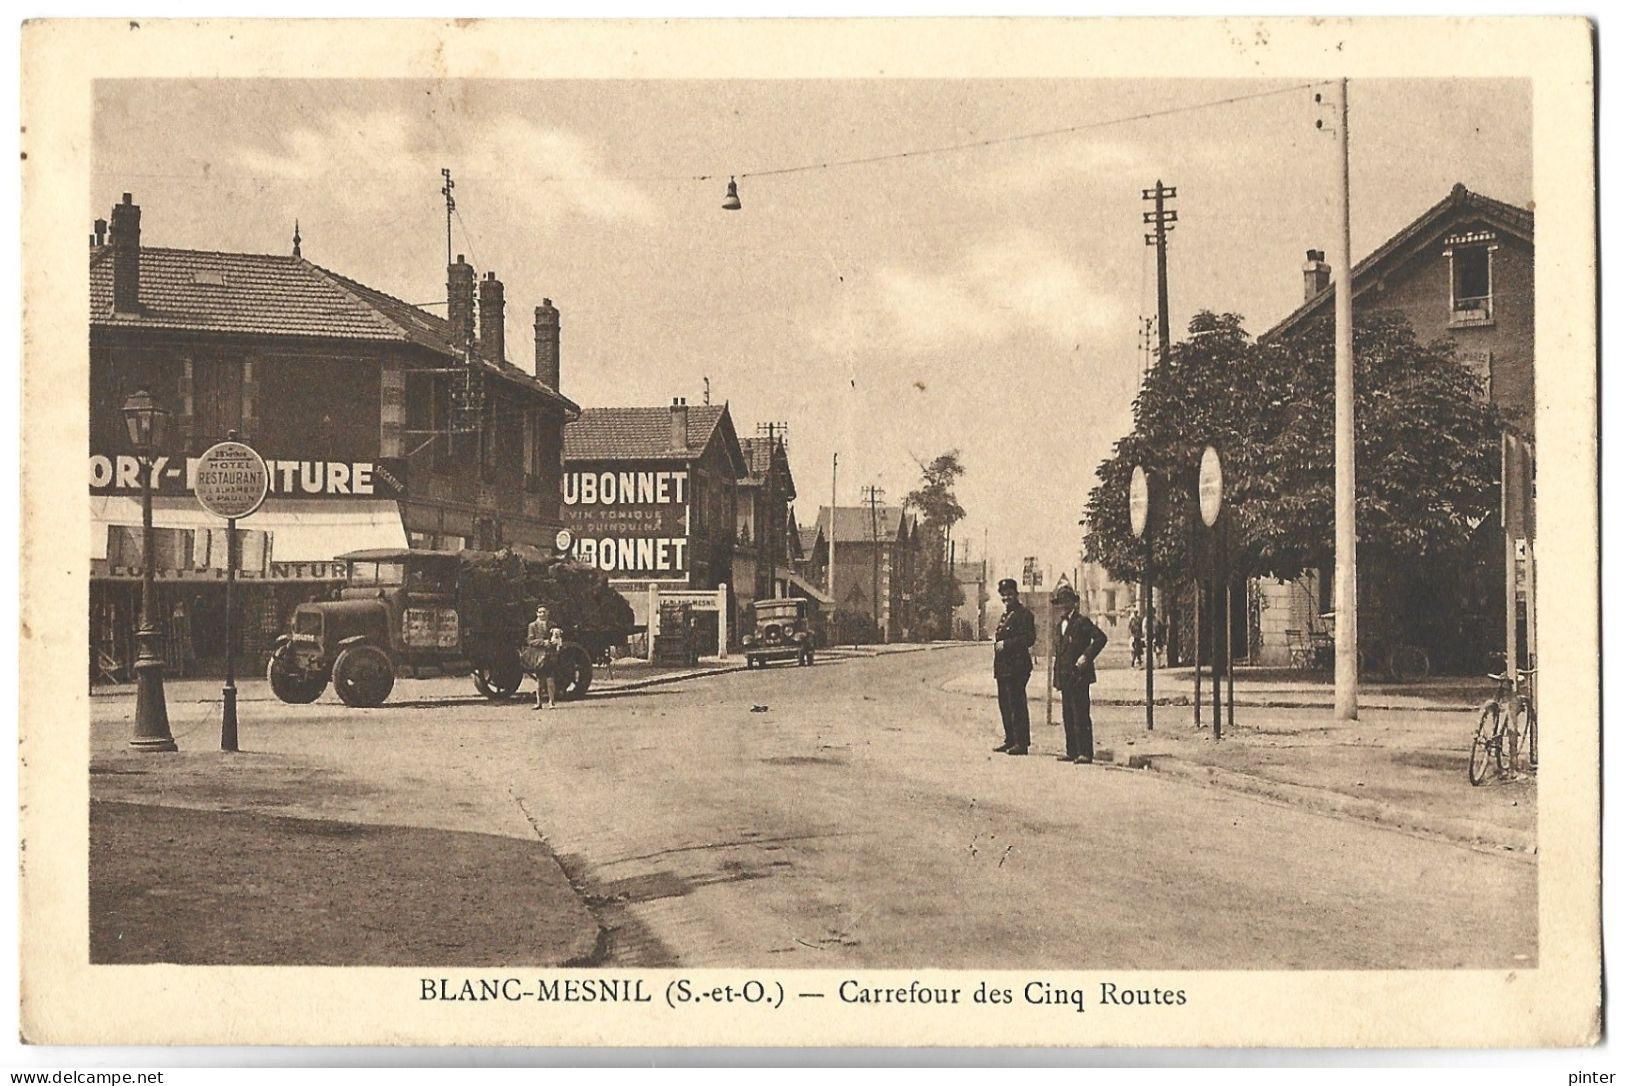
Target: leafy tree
(1426, 448)
(935, 590)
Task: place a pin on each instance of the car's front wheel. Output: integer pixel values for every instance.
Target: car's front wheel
(363, 676)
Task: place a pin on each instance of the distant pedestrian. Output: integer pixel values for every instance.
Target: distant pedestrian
(1136, 633)
(541, 656)
(1159, 640)
(1077, 642)
(1012, 667)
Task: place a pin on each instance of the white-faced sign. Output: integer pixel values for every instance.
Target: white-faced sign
(1210, 486)
(231, 480)
(1139, 501)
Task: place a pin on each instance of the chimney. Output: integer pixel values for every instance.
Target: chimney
(493, 334)
(679, 423)
(126, 241)
(547, 344)
(460, 302)
(1317, 274)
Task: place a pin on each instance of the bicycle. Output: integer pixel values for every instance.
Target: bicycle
(1503, 722)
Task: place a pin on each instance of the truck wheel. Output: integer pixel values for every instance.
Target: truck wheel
(363, 676)
(499, 680)
(290, 687)
(574, 672)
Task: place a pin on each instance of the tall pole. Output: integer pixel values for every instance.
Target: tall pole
(451, 205)
(834, 466)
(1148, 628)
(1345, 596)
(1196, 644)
(228, 696)
(1161, 221)
(872, 494)
(151, 712)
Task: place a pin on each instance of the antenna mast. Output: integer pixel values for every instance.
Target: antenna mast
(451, 206)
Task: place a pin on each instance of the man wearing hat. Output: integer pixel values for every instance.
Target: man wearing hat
(1013, 666)
(1077, 642)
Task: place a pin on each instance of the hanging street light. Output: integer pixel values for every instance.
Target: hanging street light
(146, 421)
(731, 201)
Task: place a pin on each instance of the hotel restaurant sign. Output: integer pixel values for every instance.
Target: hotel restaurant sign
(177, 476)
(630, 522)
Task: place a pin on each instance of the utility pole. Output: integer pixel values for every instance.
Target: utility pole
(1162, 220)
(451, 206)
(834, 468)
(872, 495)
(1345, 603)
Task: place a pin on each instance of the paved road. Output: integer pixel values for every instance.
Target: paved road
(863, 820)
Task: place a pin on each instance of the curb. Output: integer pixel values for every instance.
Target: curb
(1251, 703)
(658, 680)
(1461, 831)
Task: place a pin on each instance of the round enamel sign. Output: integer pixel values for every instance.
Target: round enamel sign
(231, 480)
(1139, 501)
(1210, 486)
(564, 541)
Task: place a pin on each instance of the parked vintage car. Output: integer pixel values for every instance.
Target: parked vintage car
(415, 614)
(781, 629)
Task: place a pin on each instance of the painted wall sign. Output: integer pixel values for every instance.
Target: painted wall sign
(631, 522)
(309, 479)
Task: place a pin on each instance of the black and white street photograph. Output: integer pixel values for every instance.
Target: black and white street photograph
(998, 539)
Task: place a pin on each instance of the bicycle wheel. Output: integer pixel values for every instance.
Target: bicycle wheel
(1478, 759)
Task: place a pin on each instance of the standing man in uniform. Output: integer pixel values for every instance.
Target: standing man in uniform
(1077, 642)
(1013, 666)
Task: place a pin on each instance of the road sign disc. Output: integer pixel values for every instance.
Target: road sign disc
(231, 480)
(1210, 486)
(1139, 501)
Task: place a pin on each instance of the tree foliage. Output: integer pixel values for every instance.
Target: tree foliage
(935, 589)
(1426, 446)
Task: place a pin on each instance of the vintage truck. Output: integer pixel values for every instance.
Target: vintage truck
(414, 614)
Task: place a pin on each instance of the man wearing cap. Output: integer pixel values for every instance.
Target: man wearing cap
(1077, 642)
(1013, 666)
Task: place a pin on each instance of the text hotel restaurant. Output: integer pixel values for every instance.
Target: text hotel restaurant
(382, 424)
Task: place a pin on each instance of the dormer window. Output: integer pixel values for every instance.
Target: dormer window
(1472, 281)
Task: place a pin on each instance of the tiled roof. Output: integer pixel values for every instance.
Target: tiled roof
(263, 294)
(1516, 221)
(853, 523)
(810, 538)
(758, 457)
(642, 433)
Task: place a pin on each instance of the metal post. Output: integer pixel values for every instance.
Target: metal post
(1229, 635)
(1150, 627)
(1216, 598)
(228, 695)
(1196, 644)
(1346, 600)
(1049, 663)
(151, 711)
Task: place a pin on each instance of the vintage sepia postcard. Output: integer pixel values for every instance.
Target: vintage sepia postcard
(938, 532)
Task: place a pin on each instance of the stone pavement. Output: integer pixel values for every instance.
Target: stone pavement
(1402, 764)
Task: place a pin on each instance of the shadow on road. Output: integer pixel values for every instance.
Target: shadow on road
(201, 887)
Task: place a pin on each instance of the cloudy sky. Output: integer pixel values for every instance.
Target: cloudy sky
(986, 299)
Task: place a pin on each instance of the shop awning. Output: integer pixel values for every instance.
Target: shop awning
(298, 531)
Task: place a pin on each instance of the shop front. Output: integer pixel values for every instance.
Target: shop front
(285, 557)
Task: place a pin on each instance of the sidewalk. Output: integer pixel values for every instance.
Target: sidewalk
(1402, 764)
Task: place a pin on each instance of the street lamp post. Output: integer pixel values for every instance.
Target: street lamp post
(145, 420)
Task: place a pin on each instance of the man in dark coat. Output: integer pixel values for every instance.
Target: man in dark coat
(1077, 642)
(1013, 666)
